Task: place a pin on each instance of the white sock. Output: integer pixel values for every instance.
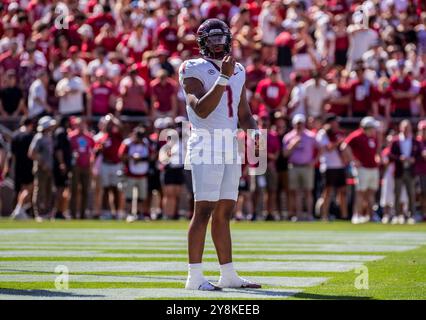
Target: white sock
(195, 271)
(227, 271)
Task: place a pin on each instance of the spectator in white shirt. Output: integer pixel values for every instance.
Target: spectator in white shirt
(332, 166)
(361, 38)
(70, 91)
(37, 96)
(77, 65)
(315, 95)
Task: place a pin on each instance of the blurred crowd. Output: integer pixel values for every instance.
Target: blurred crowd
(92, 83)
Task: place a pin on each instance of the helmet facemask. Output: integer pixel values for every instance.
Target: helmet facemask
(215, 45)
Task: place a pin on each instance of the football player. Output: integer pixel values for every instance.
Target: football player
(215, 99)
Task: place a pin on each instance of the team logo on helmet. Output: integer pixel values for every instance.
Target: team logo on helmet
(211, 34)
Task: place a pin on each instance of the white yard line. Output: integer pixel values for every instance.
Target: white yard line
(271, 281)
(109, 266)
(97, 254)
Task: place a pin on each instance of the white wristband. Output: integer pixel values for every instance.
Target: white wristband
(222, 80)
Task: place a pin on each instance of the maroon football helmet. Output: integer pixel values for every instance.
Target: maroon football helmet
(214, 39)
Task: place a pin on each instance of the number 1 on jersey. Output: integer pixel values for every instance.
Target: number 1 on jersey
(229, 96)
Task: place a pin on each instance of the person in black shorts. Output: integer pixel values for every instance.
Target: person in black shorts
(23, 167)
(172, 176)
(332, 167)
(61, 165)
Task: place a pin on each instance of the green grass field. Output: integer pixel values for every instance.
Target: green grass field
(147, 260)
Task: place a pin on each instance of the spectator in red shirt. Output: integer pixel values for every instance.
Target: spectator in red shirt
(339, 94)
(219, 9)
(87, 44)
(101, 95)
(100, 19)
(255, 72)
(106, 38)
(132, 90)
(361, 94)
(9, 60)
(108, 146)
(82, 146)
(167, 33)
(399, 90)
(164, 96)
(381, 101)
(361, 148)
(271, 92)
(187, 34)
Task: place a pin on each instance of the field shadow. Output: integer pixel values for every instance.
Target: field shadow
(313, 296)
(44, 293)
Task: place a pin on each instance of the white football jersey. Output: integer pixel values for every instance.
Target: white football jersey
(225, 116)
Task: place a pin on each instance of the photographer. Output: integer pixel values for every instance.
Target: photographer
(134, 152)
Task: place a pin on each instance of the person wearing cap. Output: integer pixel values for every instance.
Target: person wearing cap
(82, 147)
(41, 152)
(332, 166)
(271, 92)
(361, 148)
(70, 92)
(300, 147)
(405, 152)
(163, 96)
(11, 97)
(101, 96)
(37, 96)
(135, 154)
(420, 168)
